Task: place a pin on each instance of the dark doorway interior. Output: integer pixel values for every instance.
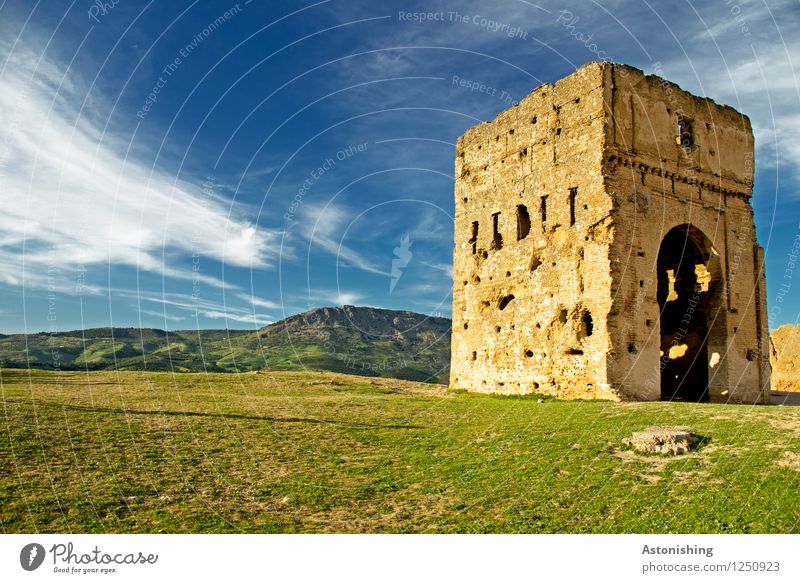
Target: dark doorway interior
(684, 297)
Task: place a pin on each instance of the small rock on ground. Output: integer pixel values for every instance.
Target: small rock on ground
(663, 440)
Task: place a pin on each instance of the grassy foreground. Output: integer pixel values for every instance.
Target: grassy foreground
(322, 452)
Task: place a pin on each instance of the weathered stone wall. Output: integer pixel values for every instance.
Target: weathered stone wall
(551, 337)
(658, 184)
(785, 358)
(562, 203)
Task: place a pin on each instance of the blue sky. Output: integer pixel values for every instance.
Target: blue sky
(209, 164)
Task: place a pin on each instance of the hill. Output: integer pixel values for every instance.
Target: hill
(349, 339)
(359, 340)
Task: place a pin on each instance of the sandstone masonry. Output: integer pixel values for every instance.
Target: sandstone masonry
(605, 246)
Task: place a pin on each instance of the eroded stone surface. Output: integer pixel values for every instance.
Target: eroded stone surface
(663, 440)
(605, 246)
(785, 358)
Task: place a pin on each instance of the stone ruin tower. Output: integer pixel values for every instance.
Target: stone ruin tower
(605, 246)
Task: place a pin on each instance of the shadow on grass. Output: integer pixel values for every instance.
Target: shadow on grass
(120, 411)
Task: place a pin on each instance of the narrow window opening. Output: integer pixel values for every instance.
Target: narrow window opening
(497, 238)
(685, 133)
(473, 239)
(544, 209)
(573, 194)
(504, 301)
(588, 324)
(523, 222)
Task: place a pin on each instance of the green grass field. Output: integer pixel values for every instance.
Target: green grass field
(322, 452)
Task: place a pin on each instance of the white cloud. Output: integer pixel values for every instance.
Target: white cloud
(260, 302)
(197, 306)
(256, 319)
(325, 226)
(335, 297)
(163, 315)
(71, 195)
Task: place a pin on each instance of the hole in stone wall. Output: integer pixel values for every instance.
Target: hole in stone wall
(511, 131)
(497, 238)
(562, 316)
(573, 194)
(504, 301)
(685, 137)
(588, 324)
(497, 329)
(631, 347)
(558, 131)
(473, 238)
(640, 253)
(533, 119)
(466, 326)
(529, 353)
(474, 355)
(523, 222)
(648, 323)
(641, 283)
(543, 208)
(574, 351)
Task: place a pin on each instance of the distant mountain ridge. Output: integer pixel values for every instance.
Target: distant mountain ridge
(359, 340)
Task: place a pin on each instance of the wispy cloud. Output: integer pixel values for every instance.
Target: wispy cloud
(260, 302)
(256, 319)
(325, 227)
(335, 297)
(72, 196)
(197, 307)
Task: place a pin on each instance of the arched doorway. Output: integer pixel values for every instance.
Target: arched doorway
(689, 293)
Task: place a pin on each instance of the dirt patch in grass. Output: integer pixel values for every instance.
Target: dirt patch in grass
(791, 460)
